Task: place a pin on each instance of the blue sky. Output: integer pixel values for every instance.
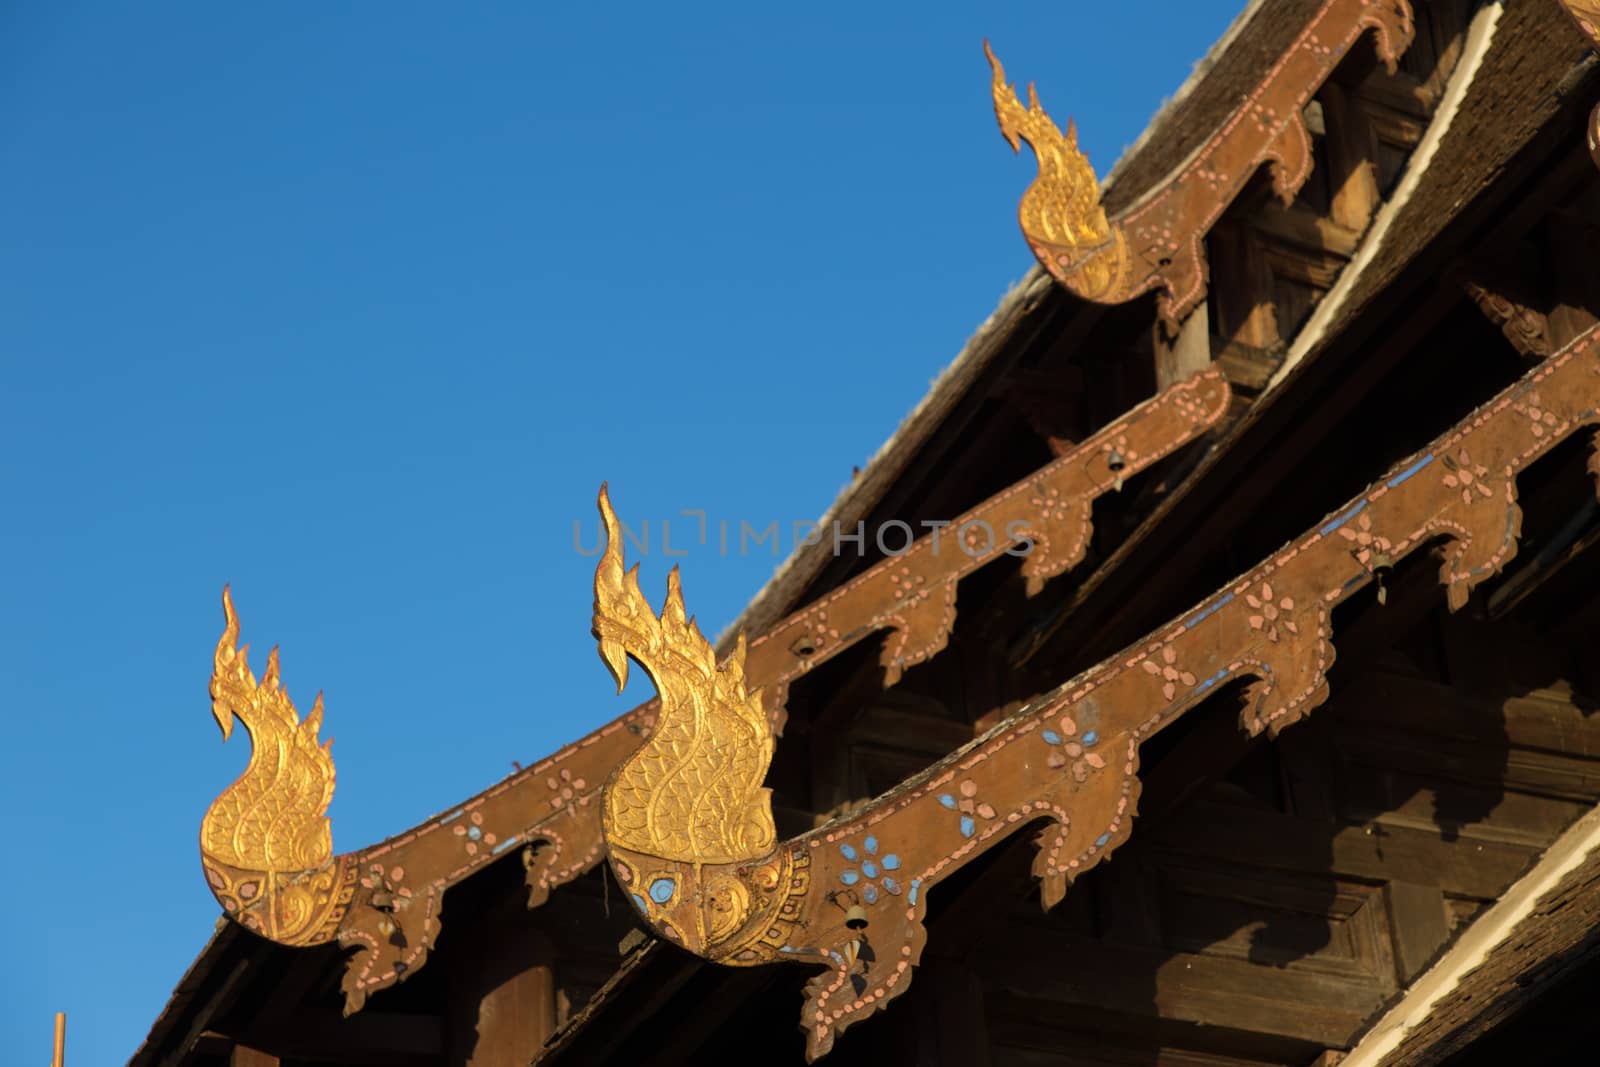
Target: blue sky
(354, 306)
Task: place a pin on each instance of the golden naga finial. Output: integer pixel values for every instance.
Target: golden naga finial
(1060, 213)
(693, 791)
(266, 842)
(687, 823)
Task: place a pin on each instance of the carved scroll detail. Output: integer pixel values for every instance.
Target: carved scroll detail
(1587, 15)
(1157, 242)
(1070, 761)
(387, 898)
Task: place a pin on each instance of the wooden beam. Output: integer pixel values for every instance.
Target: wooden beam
(1323, 1009)
(1187, 354)
(1352, 147)
(1241, 287)
(368, 1037)
(243, 1056)
(502, 992)
(1501, 961)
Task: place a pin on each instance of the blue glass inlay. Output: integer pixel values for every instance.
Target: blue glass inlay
(848, 851)
(639, 903)
(872, 845)
(948, 801)
(475, 832)
(1091, 737)
(869, 869)
(1050, 737)
(871, 893)
(891, 862)
(915, 882)
(1100, 841)
(1334, 524)
(1211, 681)
(661, 890)
(967, 826)
(891, 885)
(849, 877)
(1409, 471)
(507, 843)
(1220, 603)
(453, 815)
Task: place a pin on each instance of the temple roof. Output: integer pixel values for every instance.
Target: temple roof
(1498, 99)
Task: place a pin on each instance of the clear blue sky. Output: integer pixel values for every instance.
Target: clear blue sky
(354, 308)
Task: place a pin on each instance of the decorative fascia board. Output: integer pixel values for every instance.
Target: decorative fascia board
(1157, 243)
(1587, 14)
(265, 842)
(850, 897)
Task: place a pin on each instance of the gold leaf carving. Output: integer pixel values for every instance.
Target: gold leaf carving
(693, 791)
(1061, 213)
(273, 819)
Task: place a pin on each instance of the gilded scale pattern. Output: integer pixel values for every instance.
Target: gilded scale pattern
(1157, 243)
(1070, 761)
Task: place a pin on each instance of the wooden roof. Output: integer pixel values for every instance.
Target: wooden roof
(1489, 180)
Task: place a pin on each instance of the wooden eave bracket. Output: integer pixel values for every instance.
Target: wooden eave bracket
(1158, 242)
(384, 902)
(1069, 763)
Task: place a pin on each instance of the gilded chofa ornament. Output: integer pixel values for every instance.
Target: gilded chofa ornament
(1587, 15)
(1157, 242)
(693, 790)
(265, 841)
(1060, 212)
(691, 795)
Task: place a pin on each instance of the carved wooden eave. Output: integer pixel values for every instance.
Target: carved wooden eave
(851, 896)
(1510, 96)
(1158, 242)
(1515, 85)
(384, 901)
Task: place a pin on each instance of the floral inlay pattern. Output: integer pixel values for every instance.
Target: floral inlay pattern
(1467, 476)
(1069, 748)
(1267, 615)
(870, 871)
(475, 834)
(1367, 544)
(564, 786)
(1169, 673)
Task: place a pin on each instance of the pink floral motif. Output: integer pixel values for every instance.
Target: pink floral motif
(475, 834)
(818, 637)
(1367, 543)
(387, 892)
(1168, 672)
(905, 587)
(1050, 503)
(1466, 476)
(969, 805)
(1540, 417)
(564, 786)
(1268, 612)
(1074, 751)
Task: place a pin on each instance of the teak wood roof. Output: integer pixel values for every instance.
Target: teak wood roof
(1322, 316)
